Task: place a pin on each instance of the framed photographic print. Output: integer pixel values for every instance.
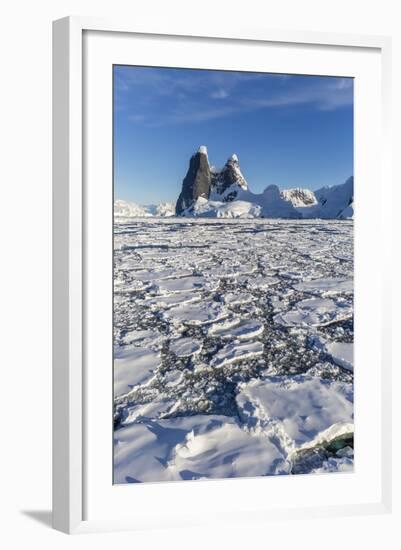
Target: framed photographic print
(219, 284)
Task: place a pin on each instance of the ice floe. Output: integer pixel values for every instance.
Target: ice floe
(196, 314)
(134, 366)
(144, 338)
(185, 347)
(231, 353)
(326, 287)
(239, 329)
(171, 300)
(300, 411)
(316, 312)
(195, 447)
(342, 353)
(183, 284)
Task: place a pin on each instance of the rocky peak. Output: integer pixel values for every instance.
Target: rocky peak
(229, 181)
(197, 181)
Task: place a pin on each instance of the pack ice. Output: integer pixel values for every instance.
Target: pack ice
(233, 346)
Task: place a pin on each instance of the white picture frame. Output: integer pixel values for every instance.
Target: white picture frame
(70, 258)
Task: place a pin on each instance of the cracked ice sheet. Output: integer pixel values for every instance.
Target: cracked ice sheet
(242, 259)
(133, 366)
(298, 411)
(195, 447)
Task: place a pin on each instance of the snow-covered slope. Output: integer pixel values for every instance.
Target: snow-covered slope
(124, 209)
(268, 204)
(347, 212)
(299, 197)
(218, 209)
(271, 203)
(335, 202)
(161, 210)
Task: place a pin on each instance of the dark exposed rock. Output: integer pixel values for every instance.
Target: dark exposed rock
(196, 183)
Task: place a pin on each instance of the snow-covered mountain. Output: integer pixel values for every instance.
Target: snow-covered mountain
(207, 182)
(299, 197)
(227, 182)
(336, 201)
(124, 209)
(161, 210)
(225, 193)
(206, 192)
(271, 203)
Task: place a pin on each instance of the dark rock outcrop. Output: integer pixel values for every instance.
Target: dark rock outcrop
(196, 183)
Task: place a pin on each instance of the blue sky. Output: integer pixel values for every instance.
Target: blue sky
(288, 130)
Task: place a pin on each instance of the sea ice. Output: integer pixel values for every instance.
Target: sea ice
(315, 312)
(183, 284)
(185, 347)
(144, 338)
(196, 314)
(326, 287)
(171, 300)
(342, 354)
(236, 299)
(248, 304)
(232, 353)
(194, 447)
(301, 411)
(133, 366)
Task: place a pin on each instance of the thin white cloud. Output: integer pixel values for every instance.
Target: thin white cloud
(219, 94)
(191, 95)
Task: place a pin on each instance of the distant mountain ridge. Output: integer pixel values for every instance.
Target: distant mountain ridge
(225, 193)
(124, 209)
